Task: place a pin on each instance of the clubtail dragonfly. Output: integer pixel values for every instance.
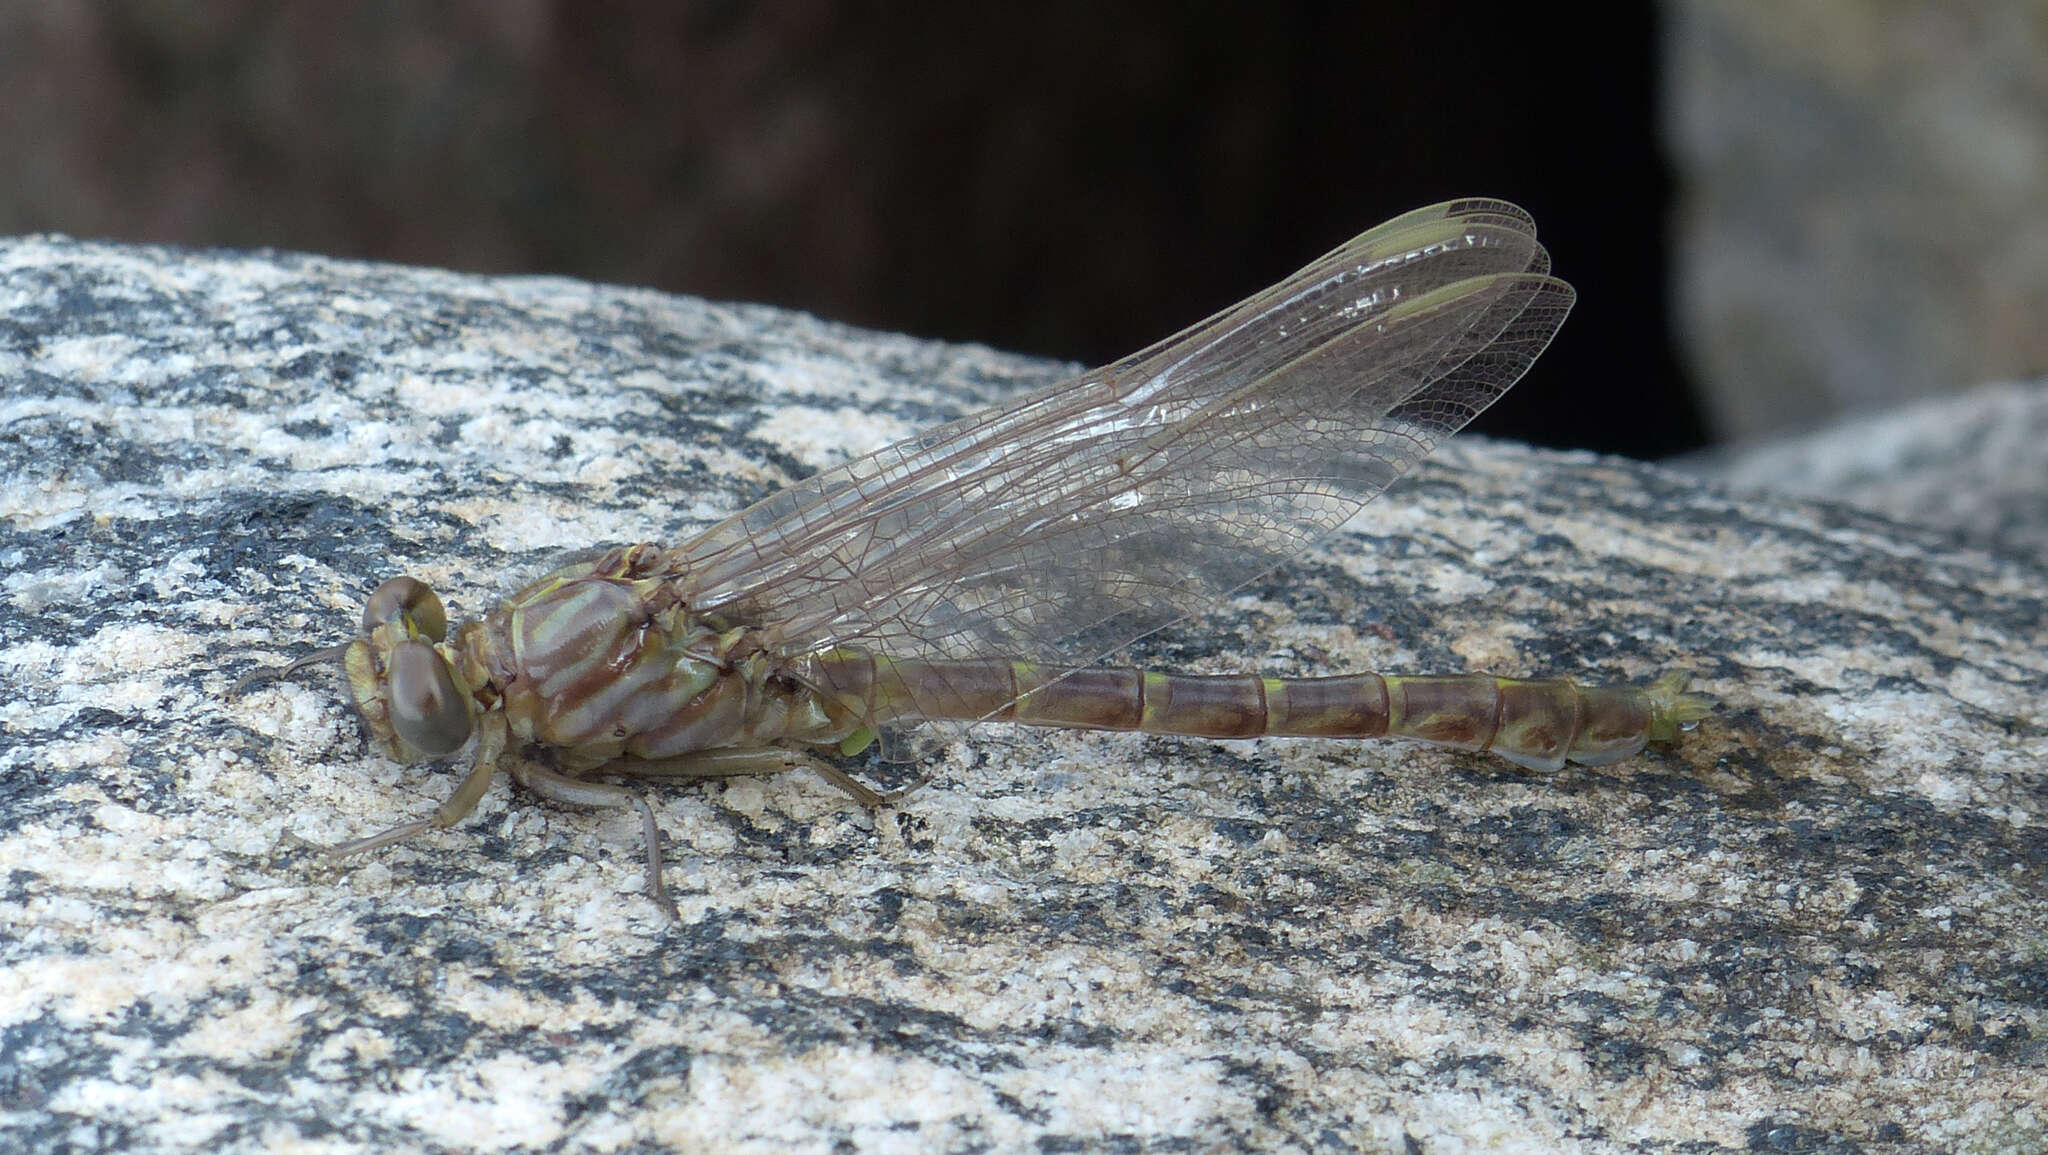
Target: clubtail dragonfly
(974, 572)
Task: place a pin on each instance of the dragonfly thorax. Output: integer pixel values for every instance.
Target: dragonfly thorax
(604, 658)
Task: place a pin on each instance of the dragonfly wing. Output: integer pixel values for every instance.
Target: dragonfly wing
(1080, 517)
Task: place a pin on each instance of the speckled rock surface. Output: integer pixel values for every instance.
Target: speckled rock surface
(1818, 923)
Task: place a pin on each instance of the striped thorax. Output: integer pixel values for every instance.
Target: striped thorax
(598, 660)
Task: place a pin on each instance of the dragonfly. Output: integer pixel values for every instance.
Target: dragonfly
(982, 570)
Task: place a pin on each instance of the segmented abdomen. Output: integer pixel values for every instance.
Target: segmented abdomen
(1538, 723)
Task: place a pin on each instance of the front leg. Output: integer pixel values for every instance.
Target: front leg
(490, 746)
(576, 792)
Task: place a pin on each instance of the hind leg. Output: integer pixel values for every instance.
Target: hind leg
(736, 762)
(576, 792)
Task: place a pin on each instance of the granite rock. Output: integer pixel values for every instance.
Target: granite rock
(1819, 922)
(1974, 464)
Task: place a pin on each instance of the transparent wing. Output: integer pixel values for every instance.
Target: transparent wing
(1080, 517)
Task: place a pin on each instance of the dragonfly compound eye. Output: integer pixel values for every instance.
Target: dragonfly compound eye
(408, 596)
(429, 712)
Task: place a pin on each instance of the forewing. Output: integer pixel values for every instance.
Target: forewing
(1067, 523)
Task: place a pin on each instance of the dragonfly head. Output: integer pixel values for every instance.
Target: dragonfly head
(411, 694)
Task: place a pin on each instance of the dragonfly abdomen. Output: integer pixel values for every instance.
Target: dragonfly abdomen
(1537, 723)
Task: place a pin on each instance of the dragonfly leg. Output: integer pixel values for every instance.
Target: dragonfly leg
(490, 746)
(860, 791)
(741, 762)
(264, 674)
(576, 792)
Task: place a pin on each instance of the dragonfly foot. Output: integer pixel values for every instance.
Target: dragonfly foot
(264, 674)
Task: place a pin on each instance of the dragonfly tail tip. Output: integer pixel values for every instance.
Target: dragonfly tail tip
(1674, 708)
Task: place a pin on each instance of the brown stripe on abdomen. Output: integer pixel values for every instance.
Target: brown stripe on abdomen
(1349, 706)
(1616, 721)
(1217, 706)
(1456, 710)
(1093, 699)
(1537, 721)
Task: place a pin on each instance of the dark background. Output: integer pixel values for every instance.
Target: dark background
(1071, 180)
